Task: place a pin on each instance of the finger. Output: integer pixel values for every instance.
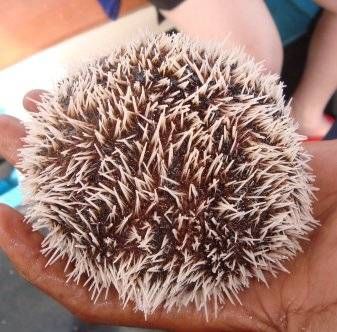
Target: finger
(31, 99)
(12, 131)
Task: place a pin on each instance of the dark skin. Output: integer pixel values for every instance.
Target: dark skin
(305, 299)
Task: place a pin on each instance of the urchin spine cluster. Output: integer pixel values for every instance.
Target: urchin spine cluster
(169, 171)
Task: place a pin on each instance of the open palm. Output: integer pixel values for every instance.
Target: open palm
(305, 299)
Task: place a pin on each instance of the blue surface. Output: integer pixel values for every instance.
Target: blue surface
(10, 193)
(12, 197)
(111, 7)
(9, 183)
(4, 186)
(292, 17)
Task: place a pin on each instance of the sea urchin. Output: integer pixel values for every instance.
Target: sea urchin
(169, 171)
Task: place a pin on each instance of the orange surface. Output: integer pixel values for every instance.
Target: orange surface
(29, 26)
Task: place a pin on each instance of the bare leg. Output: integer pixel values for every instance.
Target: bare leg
(319, 80)
(247, 23)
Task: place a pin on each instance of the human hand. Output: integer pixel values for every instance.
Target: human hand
(304, 299)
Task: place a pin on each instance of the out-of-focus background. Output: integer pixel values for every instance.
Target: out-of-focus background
(39, 41)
